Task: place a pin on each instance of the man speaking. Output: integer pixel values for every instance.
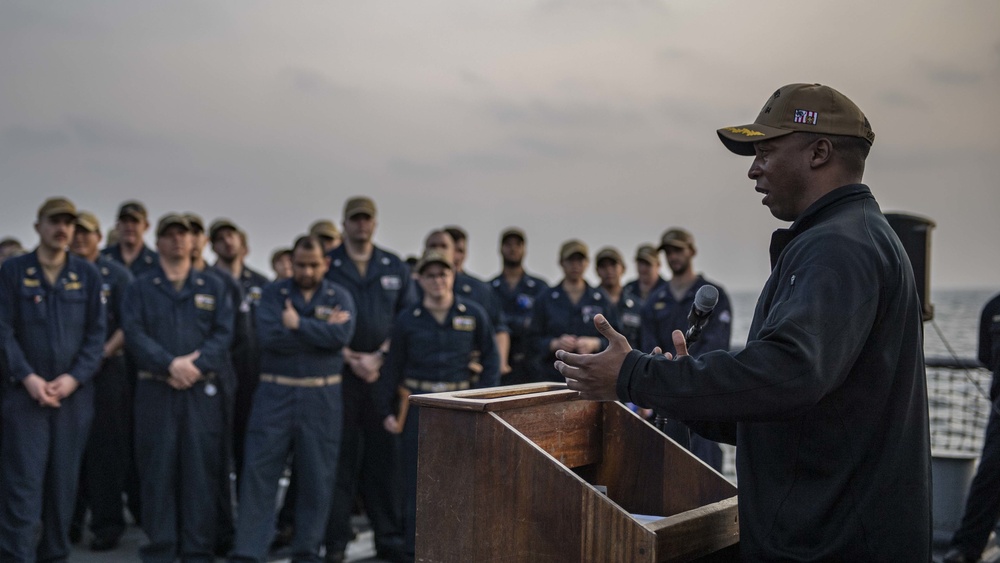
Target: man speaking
(827, 404)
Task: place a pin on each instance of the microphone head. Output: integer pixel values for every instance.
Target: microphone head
(706, 298)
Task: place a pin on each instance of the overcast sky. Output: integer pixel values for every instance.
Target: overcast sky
(592, 119)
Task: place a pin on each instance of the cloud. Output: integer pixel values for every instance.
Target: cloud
(602, 5)
(950, 75)
(562, 114)
(674, 54)
(308, 81)
(410, 169)
(18, 137)
(900, 99)
(472, 78)
(81, 131)
(546, 149)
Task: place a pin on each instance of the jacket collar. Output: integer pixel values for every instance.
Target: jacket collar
(813, 214)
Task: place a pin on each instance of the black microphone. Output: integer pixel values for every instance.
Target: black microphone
(704, 303)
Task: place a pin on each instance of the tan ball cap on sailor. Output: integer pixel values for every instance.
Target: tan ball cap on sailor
(810, 108)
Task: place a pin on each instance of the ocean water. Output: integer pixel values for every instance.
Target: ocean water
(958, 410)
(956, 313)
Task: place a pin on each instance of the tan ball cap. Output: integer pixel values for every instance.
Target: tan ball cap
(172, 219)
(325, 228)
(572, 247)
(647, 253)
(609, 253)
(358, 206)
(134, 209)
(87, 221)
(218, 225)
(434, 257)
(677, 238)
(810, 108)
(56, 206)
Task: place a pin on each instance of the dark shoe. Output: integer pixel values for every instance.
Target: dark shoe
(223, 547)
(104, 544)
(75, 534)
(393, 555)
(283, 536)
(335, 557)
(956, 556)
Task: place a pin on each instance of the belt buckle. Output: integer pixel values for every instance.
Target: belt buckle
(439, 386)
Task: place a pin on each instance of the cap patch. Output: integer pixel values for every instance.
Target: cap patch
(805, 116)
(744, 131)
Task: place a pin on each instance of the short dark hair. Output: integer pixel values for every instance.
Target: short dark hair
(456, 233)
(308, 242)
(279, 253)
(852, 151)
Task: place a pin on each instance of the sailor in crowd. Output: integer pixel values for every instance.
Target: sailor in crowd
(379, 283)
(126, 245)
(178, 324)
(564, 315)
(471, 287)
(109, 448)
(226, 379)
(667, 310)
(610, 267)
(516, 289)
(130, 249)
(327, 233)
(432, 342)
(281, 264)
(229, 243)
(304, 323)
(52, 334)
(10, 247)
(649, 280)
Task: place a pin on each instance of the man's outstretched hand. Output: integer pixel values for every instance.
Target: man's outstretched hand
(595, 375)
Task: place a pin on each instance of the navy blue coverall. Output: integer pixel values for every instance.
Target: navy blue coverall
(428, 356)
(226, 383)
(661, 315)
(246, 355)
(107, 459)
(47, 330)
(147, 260)
(628, 310)
(518, 304)
(295, 410)
(555, 315)
(632, 289)
(369, 455)
(473, 289)
(178, 432)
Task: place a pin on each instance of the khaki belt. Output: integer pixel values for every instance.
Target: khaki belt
(436, 386)
(321, 381)
(150, 376)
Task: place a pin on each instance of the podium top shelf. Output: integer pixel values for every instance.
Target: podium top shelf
(498, 398)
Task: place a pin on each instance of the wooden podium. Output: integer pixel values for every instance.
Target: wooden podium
(516, 474)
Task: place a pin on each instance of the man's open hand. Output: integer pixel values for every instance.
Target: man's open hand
(595, 375)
